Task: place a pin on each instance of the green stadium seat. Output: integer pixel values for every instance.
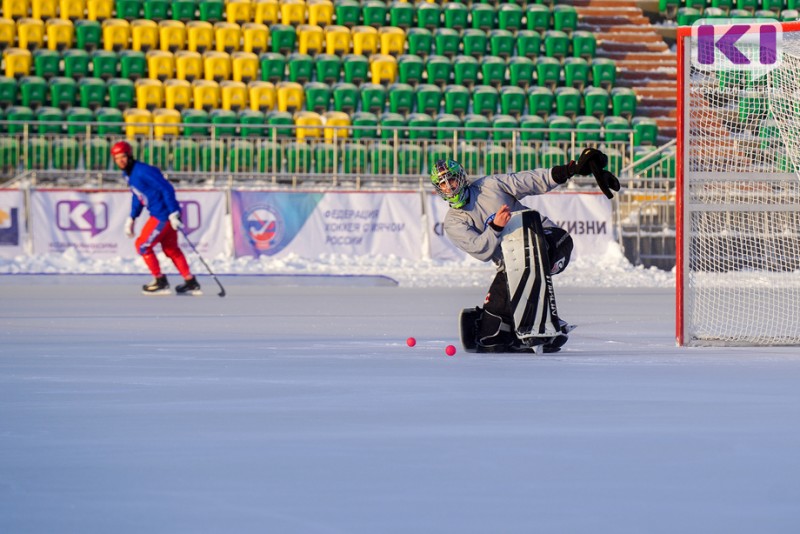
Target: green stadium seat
(185, 155)
(504, 127)
(129, 9)
(224, 122)
(428, 98)
(354, 158)
(156, 10)
(788, 15)
(328, 68)
(318, 96)
(470, 158)
(686, 16)
(483, 16)
(121, 93)
(251, 123)
(552, 156)
(668, 8)
(529, 44)
(374, 13)
(283, 38)
(645, 131)
(76, 63)
(495, 160)
(526, 158)
(446, 42)
(366, 125)
(96, 156)
(8, 91)
(623, 102)
(213, 155)
(725, 5)
(512, 100)
(456, 100)
(475, 42)
(429, 16)
(356, 68)
(565, 18)
(616, 130)
(211, 11)
(532, 128)
(584, 45)
(241, 156)
(301, 67)
(268, 156)
(493, 71)
(477, 127)
(713, 12)
(109, 121)
(456, 15)
(748, 5)
(273, 67)
(373, 98)
(195, 123)
(105, 64)
(520, 71)
(604, 73)
(32, 91)
(88, 34)
(345, 97)
(156, 152)
(410, 68)
(391, 123)
(77, 119)
(556, 44)
(537, 17)
(46, 63)
(347, 12)
(588, 129)
(502, 43)
(184, 10)
(401, 14)
(401, 98)
(132, 65)
(324, 156)
(419, 41)
(38, 154)
(23, 114)
(568, 101)
(558, 127)
(381, 158)
(540, 101)
(49, 120)
(436, 152)
(446, 124)
(465, 71)
(66, 154)
(439, 70)
(63, 92)
(409, 159)
(485, 100)
(576, 72)
(596, 102)
(509, 17)
(423, 121)
(548, 72)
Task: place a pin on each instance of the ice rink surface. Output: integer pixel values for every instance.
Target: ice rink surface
(299, 409)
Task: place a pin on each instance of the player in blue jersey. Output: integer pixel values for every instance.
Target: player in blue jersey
(152, 191)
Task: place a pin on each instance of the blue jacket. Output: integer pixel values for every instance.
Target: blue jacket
(152, 191)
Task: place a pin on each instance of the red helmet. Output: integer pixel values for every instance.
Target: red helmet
(121, 147)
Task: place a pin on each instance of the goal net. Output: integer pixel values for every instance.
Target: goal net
(738, 191)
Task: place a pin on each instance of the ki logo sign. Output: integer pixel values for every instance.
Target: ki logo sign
(737, 44)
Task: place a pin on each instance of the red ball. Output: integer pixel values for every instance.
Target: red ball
(411, 342)
(450, 350)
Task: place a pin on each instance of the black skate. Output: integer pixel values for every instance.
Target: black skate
(159, 286)
(189, 287)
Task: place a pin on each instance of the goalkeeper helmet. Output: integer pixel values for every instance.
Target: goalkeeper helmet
(450, 181)
(122, 147)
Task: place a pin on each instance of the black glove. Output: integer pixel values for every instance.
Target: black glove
(605, 179)
(589, 156)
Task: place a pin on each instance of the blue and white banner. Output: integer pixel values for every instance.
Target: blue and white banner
(12, 223)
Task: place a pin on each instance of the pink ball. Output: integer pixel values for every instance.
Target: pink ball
(411, 342)
(450, 350)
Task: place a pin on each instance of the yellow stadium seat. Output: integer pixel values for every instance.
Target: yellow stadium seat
(71, 9)
(167, 122)
(309, 125)
(144, 35)
(188, 65)
(293, 12)
(310, 39)
(255, 37)
(160, 65)
(8, 32)
(290, 96)
(216, 66)
(227, 37)
(337, 40)
(137, 115)
(13, 9)
(60, 34)
(30, 33)
(244, 66)
(332, 120)
(365, 40)
(261, 95)
(383, 68)
(200, 36)
(205, 94)
(44, 9)
(18, 62)
(239, 11)
(393, 40)
(116, 34)
(177, 94)
(234, 95)
(99, 9)
(266, 12)
(172, 35)
(149, 93)
(320, 12)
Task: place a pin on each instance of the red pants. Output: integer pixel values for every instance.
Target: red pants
(153, 233)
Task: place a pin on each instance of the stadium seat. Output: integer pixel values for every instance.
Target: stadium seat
(96, 154)
(177, 94)
(233, 95)
(205, 95)
(15, 9)
(292, 12)
(365, 40)
(503, 127)
(485, 100)
(365, 125)
(615, 130)
(374, 13)
(154, 151)
(409, 159)
(345, 97)
(38, 153)
(30, 33)
(155, 10)
(495, 160)
(401, 98)
(645, 131)
(106, 64)
(455, 15)
(552, 156)
(381, 157)
(446, 42)
(136, 122)
(537, 17)
(244, 66)
(255, 38)
(686, 16)
(383, 69)
(144, 35)
(532, 128)
(160, 65)
(251, 123)
(116, 34)
(337, 40)
(548, 72)
(8, 91)
(310, 39)
(166, 123)
(188, 65)
(373, 97)
(559, 128)
(419, 41)
(337, 125)
(512, 100)
(227, 37)
(88, 34)
(172, 36)
(509, 17)
(211, 10)
(475, 43)
(528, 44)
(63, 92)
(93, 93)
(596, 102)
(320, 12)
(216, 66)
(186, 155)
(588, 130)
(354, 158)
(273, 67)
(317, 96)
(240, 157)
(465, 71)
(410, 69)
(195, 123)
(213, 155)
(456, 100)
(33, 91)
(604, 73)
(46, 63)
(477, 127)
(8, 32)
(283, 38)
(328, 68)
(392, 41)
(556, 44)
(268, 156)
(18, 62)
(290, 96)
(121, 93)
(66, 154)
(392, 125)
(199, 36)
(128, 9)
(223, 122)
(428, 99)
(623, 102)
(493, 71)
(483, 16)
(502, 43)
(439, 70)
(238, 11)
(576, 72)
(76, 63)
(429, 16)
(262, 96)
(22, 116)
(584, 45)
(78, 119)
(301, 67)
(266, 12)
(401, 14)
(149, 94)
(356, 68)
(184, 10)
(568, 101)
(520, 71)
(540, 101)
(565, 18)
(298, 157)
(469, 156)
(60, 34)
(347, 13)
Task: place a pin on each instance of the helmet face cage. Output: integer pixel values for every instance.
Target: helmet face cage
(444, 171)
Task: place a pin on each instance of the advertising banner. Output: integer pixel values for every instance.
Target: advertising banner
(92, 222)
(586, 216)
(12, 223)
(312, 223)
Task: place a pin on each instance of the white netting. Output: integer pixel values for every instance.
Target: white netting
(742, 204)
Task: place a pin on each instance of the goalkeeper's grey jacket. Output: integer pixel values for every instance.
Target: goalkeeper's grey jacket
(468, 227)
